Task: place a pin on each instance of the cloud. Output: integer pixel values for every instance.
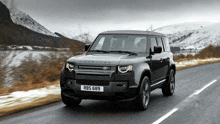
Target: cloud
(60, 15)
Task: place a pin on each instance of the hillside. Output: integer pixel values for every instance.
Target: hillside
(192, 35)
(21, 18)
(14, 34)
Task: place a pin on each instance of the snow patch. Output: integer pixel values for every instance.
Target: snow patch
(21, 97)
(195, 62)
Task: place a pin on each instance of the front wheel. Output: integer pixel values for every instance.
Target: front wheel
(169, 86)
(70, 101)
(143, 97)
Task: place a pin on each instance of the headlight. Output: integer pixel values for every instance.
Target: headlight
(70, 67)
(124, 69)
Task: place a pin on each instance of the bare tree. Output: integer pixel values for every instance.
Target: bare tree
(151, 28)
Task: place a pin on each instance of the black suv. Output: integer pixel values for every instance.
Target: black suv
(120, 65)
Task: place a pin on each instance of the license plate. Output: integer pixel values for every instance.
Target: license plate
(92, 88)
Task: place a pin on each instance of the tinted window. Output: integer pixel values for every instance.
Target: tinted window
(153, 43)
(159, 41)
(132, 43)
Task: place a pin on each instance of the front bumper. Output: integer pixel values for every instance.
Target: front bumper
(112, 91)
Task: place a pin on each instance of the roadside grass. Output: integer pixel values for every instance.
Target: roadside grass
(210, 52)
(33, 74)
(196, 62)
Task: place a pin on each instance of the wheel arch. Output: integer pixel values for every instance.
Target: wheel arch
(173, 66)
(147, 73)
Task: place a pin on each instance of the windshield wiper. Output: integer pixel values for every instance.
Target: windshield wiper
(99, 51)
(129, 52)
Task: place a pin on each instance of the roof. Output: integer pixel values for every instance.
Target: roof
(133, 32)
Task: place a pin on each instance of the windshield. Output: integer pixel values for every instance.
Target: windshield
(120, 43)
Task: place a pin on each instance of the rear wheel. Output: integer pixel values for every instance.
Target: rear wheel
(143, 98)
(169, 86)
(70, 101)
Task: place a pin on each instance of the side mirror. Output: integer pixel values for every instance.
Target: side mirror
(157, 49)
(87, 47)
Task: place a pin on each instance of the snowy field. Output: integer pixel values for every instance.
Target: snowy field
(14, 58)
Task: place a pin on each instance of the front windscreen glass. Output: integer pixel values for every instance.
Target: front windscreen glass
(122, 43)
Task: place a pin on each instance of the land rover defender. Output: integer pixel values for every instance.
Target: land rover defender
(120, 65)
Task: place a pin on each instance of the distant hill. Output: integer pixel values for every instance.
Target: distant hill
(14, 34)
(196, 35)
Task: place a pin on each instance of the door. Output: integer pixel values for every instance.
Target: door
(155, 61)
(164, 60)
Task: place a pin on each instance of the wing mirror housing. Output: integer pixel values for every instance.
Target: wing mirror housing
(87, 47)
(157, 49)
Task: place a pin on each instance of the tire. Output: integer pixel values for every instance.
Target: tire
(70, 101)
(169, 86)
(143, 97)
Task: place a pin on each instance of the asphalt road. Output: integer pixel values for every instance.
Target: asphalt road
(196, 101)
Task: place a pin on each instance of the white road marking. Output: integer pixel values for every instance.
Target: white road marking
(165, 116)
(199, 91)
(175, 109)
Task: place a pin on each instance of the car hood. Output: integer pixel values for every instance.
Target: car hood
(99, 59)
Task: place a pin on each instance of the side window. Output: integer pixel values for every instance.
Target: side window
(159, 41)
(153, 43)
(166, 44)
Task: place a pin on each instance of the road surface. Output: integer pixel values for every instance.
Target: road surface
(196, 101)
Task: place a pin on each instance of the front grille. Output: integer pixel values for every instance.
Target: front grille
(94, 67)
(93, 82)
(93, 73)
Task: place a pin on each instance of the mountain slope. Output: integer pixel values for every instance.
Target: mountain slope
(192, 35)
(201, 38)
(14, 34)
(183, 27)
(25, 20)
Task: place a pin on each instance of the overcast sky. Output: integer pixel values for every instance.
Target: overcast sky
(75, 16)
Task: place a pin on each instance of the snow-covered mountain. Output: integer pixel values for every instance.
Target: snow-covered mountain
(192, 35)
(21, 18)
(83, 37)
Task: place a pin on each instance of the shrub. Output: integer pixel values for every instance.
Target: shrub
(2, 74)
(35, 73)
(47, 68)
(179, 57)
(209, 52)
(3, 71)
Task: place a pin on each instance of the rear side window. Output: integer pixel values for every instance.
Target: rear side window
(159, 41)
(166, 44)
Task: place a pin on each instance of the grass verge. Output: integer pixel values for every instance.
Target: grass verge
(199, 62)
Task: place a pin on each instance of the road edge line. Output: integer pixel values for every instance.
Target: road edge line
(206, 86)
(165, 116)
